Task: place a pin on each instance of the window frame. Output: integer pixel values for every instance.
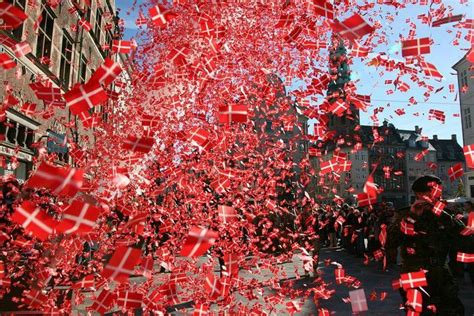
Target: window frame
(43, 37)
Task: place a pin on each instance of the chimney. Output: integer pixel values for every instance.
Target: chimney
(435, 137)
(453, 137)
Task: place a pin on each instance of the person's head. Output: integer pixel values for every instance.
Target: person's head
(423, 186)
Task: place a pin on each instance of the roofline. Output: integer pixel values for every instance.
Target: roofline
(459, 61)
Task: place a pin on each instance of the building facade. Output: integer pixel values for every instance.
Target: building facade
(465, 73)
(67, 41)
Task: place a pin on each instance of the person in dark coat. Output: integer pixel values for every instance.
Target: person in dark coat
(425, 239)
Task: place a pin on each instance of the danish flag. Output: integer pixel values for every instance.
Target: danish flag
(107, 72)
(22, 49)
(329, 166)
(465, 257)
(340, 274)
(353, 28)
(439, 207)
(178, 55)
(103, 301)
(232, 113)
(226, 213)
(469, 155)
(138, 144)
(34, 220)
(85, 25)
(129, 300)
(84, 97)
(86, 283)
(285, 20)
(35, 299)
(79, 217)
(11, 16)
(122, 264)
(455, 171)
(323, 8)
(212, 285)
(201, 310)
(198, 136)
(5, 61)
(199, 240)
(416, 47)
(121, 46)
(448, 19)
(413, 280)
(415, 300)
(366, 200)
(338, 107)
(63, 181)
(358, 301)
(161, 16)
(430, 70)
(407, 228)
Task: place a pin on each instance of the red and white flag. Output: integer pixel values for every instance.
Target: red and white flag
(323, 8)
(107, 72)
(416, 47)
(199, 240)
(104, 301)
(34, 220)
(11, 17)
(413, 280)
(122, 264)
(469, 155)
(121, 46)
(353, 28)
(198, 136)
(448, 19)
(213, 286)
(227, 214)
(129, 300)
(22, 49)
(138, 144)
(5, 61)
(439, 207)
(160, 16)
(84, 97)
(465, 257)
(78, 217)
(430, 70)
(63, 181)
(358, 301)
(415, 300)
(233, 113)
(85, 25)
(455, 172)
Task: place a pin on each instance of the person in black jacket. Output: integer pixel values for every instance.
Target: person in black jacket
(425, 237)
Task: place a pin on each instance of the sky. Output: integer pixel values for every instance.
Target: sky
(443, 55)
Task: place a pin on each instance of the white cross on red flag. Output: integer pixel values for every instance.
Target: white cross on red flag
(83, 97)
(107, 72)
(469, 155)
(199, 240)
(160, 16)
(233, 113)
(352, 28)
(129, 300)
(78, 217)
(6, 62)
(11, 17)
(413, 280)
(323, 8)
(121, 46)
(358, 301)
(103, 302)
(415, 300)
(465, 257)
(34, 220)
(416, 47)
(122, 264)
(455, 172)
(227, 214)
(138, 144)
(62, 181)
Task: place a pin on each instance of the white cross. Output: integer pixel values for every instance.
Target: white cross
(414, 303)
(213, 286)
(359, 299)
(79, 220)
(461, 257)
(32, 218)
(327, 11)
(118, 45)
(136, 144)
(9, 14)
(418, 46)
(352, 30)
(201, 236)
(158, 15)
(411, 281)
(120, 268)
(179, 52)
(66, 181)
(201, 310)
(110, 71)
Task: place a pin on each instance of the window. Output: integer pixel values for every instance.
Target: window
(66, 58)
(83, 69)
(463, 78)
(18, 32)
(45, 34)
(98, 24)
(467, 118)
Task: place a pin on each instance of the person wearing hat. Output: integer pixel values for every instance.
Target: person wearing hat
(425, 235)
